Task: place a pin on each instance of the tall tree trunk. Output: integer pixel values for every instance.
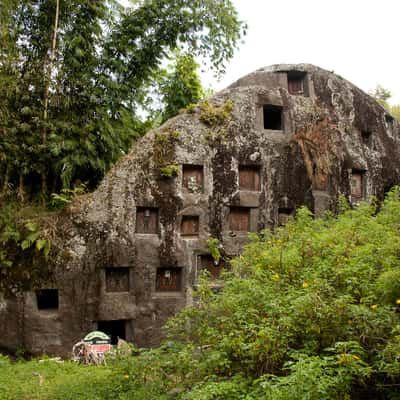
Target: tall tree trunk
(50, 66)
(47, 88)
(21, 192)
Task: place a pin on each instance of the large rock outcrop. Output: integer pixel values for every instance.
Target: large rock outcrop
(278, 138)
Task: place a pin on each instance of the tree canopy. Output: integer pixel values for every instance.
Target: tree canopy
(73, 75)
(382, 96)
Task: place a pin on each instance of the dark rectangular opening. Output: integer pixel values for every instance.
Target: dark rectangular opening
(296, 83)
(249, 177)
(239, 219)
(190, 225)
(273, 117)
(47, 299)
(168, 279)
(206, 262)
(117, 279)
(284, 215)
(389, 119)
(366, 137)
(116, 329)
(192, 178)
(357, 185)
(147, 220)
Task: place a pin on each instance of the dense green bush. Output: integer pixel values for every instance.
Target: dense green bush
(310, 311)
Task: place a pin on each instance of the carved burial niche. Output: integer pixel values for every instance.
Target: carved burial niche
(190, 225)
(169, 279)
(116, 329)
(366, 137)
(206, 262)
(297, 83)
(239, 219)
(357, 185)
(273, 117)
(47, 299)
(117, 279)
(147, 220)
(284, 215)
(192, 178)
(249, 177)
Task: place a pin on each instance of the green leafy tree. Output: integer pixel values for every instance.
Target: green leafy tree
(383, 96)
(74, 73)
(181, 86)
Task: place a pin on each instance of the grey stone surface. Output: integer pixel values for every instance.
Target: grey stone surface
(308, 162)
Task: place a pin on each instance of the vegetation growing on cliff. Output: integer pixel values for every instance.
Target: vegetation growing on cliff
(310, 311)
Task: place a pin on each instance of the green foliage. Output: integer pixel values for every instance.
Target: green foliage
(69, 114)
(164, 151)
(308, 312)
(181, 86)
(382, 96)
(214, 116)
(59, 200)
(24, 247)
(213, 245)
(169, 171)
(395, 111)
(60, 381)
(301, 316)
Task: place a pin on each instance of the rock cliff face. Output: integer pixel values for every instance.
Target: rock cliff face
(278, 138)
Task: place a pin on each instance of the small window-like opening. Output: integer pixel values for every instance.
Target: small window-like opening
(168, 279)
(47, 299)
(284, 215)
(239, 219)
(366, 137)
(249, 177)
(147, 220)
(192, 178)
(116, 329)
(206, 262)
(296, 82)
(389, 119)
(190, 225)
(357, 185)
(273, 117)
(117, 279)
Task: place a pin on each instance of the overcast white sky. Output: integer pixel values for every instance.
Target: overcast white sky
(357, 39)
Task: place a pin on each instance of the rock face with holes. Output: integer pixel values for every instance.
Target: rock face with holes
(278, 138)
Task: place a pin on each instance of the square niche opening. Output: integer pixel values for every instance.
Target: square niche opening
(147, 220)
(284, 215)
(206, 262)
(296, 83)
(239, 219)
(116, 329)
(169, 279)
(357, 185)
(190, 225)
(117, 279)
(192, 178)
(366, 137)
(273, 117)
(47, 299)
(249, 178)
